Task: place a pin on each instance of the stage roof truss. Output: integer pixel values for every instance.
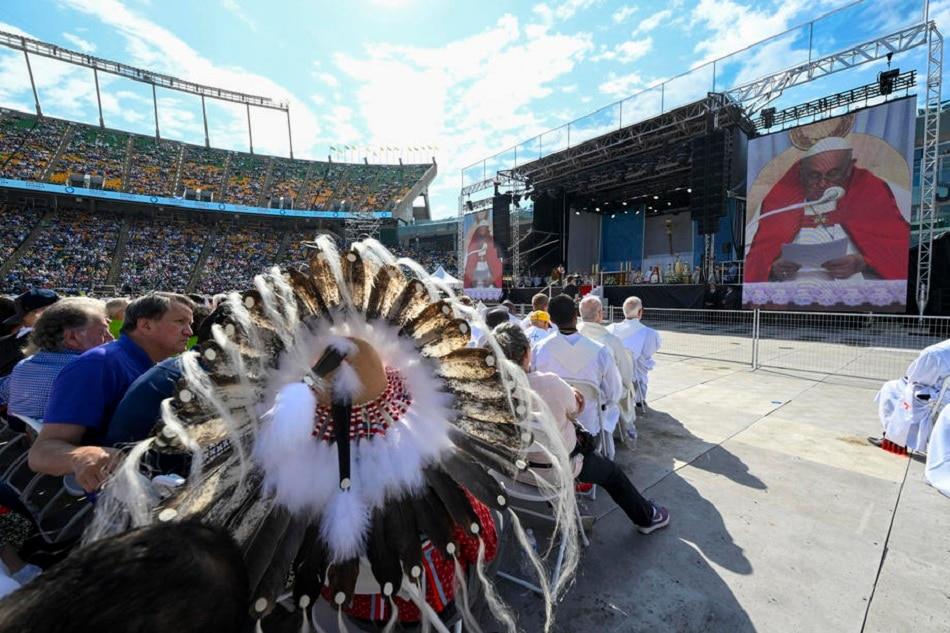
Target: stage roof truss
(756, 94)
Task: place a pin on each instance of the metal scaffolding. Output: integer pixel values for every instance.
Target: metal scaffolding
(360, 225)
(929, 168)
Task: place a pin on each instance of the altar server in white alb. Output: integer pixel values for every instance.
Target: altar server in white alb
(576, 358)
(642, 342)
(592, 315)
(908, 406)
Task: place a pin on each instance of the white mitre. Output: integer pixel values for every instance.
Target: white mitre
(828, 144)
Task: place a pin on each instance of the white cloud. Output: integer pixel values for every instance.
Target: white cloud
(568, 8)
(562, 11)
(83, 45)
(633, 50)
(328, 79)
(648, 24)
(625, 52)
(735, 26)
(155, 47)
(620, 15)
(619, 86)
(463, 96)
(235, 9)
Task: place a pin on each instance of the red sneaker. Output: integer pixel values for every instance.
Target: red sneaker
(583, 488)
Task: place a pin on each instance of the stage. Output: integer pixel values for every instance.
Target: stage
(653, 295)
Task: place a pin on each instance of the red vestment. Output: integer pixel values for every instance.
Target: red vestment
(482, 235)
(867, 212)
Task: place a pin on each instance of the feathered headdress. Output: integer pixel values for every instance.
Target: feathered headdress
(339, 420)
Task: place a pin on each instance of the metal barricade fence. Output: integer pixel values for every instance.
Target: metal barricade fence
(862, 345)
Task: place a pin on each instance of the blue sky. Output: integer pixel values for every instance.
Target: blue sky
(470, 78)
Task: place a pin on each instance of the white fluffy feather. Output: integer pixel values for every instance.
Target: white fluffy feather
(305, 480)
(290, 423)
(346, 382)
(344, 525)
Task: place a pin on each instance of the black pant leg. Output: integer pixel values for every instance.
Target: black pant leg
(602, 472)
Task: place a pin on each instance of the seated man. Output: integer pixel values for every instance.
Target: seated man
(539, 303)
(589, 466)
(494, 317)
(539, 327)
(28, 308)
(592, 313)
(574, 357)
(87, 391)
(64, 331)
(642, 342)
(512, 311)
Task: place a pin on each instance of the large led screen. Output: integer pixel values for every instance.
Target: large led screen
(828, 220)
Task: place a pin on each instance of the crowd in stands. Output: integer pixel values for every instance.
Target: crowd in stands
(15, 225)
(236, 256)
(161, 255)
(246, 177)
(94, 152)
(165, 168)
(27, 144)
(287, 179)
(152, 167)
(202, 168)
(429, 259)
(73, 252)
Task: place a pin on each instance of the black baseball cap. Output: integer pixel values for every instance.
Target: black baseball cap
(32, 299)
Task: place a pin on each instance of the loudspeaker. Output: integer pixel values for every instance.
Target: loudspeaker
(501, 223)
(708, 180)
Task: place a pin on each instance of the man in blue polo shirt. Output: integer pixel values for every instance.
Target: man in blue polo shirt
(87, 391)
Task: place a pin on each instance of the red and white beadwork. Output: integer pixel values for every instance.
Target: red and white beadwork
(371, 418)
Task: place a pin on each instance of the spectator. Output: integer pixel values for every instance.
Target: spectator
(539, 327)
(642, 341)
(87, 391)
(711, 298)
(29, 306)
(574, 357)
(512, 310)
(115, 310)
(64, 331)
(589, 466)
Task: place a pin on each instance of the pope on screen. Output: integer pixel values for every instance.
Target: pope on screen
(825, 197)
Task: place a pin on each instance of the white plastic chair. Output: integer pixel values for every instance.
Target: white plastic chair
(594, 398)
(520, 494)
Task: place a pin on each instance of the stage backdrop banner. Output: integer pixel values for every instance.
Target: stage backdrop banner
(483, 268)
(828, 215)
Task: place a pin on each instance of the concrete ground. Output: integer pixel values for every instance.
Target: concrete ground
(783, 517)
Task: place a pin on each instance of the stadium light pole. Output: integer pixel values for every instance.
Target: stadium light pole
(158, 135)
(95, 77)
(250, 138)
(29, 70)
(204, 117)
(290, 137)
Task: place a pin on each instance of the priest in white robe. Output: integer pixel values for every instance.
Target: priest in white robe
(574, 357)
(641, 341)
(592, 316)
(908, 406)
(938, 454)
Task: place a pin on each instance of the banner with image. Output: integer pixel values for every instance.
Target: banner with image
(482, 267)
(828, 214)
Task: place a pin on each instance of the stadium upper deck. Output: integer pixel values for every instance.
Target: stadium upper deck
(62, 152)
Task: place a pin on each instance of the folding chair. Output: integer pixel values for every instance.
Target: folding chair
(593, 398)
(527, 494)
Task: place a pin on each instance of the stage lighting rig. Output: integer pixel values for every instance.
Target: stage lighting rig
(886, 79)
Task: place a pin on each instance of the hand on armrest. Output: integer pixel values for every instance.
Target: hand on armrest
(57, 451)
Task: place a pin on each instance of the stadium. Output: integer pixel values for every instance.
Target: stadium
(301, 393)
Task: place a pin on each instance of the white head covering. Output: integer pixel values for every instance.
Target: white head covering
(828, 144)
